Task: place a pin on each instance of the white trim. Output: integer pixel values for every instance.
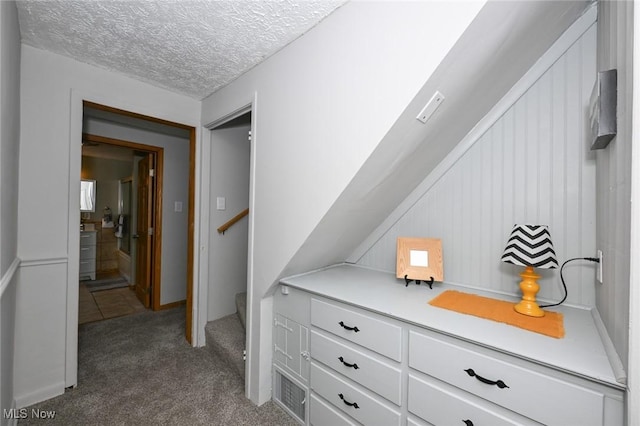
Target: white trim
(252, 380)
(8, 276)
(13, 421)
(228, 117)
(566, 40)
(633, 369)
(200, 289)
(27, 263)
(42, 394)
(609, 348)
(73, 240)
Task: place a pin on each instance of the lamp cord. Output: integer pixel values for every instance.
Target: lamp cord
(590, 259)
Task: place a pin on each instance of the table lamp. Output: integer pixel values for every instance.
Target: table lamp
(530, 246)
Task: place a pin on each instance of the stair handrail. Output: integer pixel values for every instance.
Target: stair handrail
(232, 221)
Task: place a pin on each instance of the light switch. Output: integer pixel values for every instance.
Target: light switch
(221, 203)
(177, 206)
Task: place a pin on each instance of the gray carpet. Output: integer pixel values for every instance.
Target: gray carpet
(139, 370)
(226, 339)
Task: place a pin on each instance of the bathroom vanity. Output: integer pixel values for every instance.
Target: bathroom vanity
(88, 242)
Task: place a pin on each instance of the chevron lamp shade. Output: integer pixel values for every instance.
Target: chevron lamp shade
(530, 245)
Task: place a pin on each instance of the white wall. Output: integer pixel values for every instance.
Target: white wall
(323, 104)
(52, 89)
(532, 165)
(175, 188)
(614, 192)
(615, 35)
(9, 144)
(633, 376)
(230, 153)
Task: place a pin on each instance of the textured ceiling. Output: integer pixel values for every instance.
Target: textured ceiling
(192, 47)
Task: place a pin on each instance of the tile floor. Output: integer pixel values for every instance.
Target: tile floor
(100, 305)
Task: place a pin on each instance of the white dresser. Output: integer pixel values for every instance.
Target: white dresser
(88, 242)
(361, 348)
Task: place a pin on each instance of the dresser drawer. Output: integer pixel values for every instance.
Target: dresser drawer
(360, 367)
(365, 408)
(364, 329)
(537, 396)
(87, 253)
(322, 414)
(87, 266)
(440, 406)
(87, 238)
(413, 422)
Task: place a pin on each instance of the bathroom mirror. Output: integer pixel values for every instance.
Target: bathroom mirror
(87, 195)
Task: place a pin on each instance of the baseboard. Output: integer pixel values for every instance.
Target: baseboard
(12, 421)
(39, 395)
(171, 305)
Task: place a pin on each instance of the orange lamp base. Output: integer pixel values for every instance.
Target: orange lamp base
(529, 287)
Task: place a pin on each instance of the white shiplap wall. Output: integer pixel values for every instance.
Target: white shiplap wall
(615, 50)
(532, 165)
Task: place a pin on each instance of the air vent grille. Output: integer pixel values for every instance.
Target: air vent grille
(290, 395)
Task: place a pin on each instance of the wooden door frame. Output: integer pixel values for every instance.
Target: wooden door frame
(190, 207)
(156, 246)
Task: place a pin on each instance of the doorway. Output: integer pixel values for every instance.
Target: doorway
(175, 135)
(126, 236)
(229, 189)
(230, 236)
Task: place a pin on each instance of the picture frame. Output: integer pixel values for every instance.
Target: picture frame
(419, 259)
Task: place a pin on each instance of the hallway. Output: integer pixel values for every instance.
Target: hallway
(99, 305)
(139, 370)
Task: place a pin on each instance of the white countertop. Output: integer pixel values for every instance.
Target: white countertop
(581, 351)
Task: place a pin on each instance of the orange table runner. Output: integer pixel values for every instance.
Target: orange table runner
(551, 324)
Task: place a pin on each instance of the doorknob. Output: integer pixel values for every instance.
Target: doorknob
(135, 236)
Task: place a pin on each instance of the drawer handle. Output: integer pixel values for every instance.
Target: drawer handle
(354, 365)
(350, 404)
(468, 422)
(346, 327)
(498, 383)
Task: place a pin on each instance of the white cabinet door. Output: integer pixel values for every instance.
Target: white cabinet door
(291, 346)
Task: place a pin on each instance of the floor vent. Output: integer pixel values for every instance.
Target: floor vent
(290, 395)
